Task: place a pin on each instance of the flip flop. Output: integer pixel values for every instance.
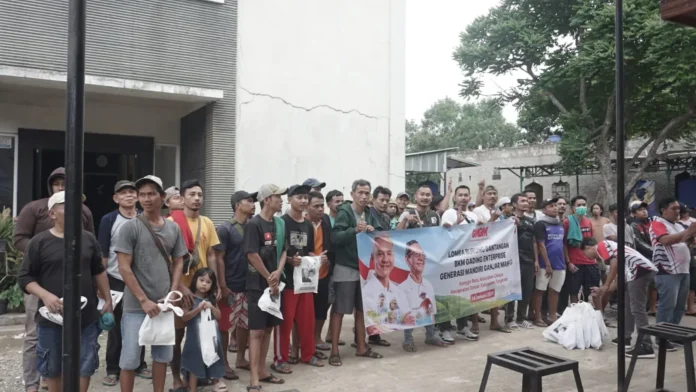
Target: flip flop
(293, 360)
(221, 387)
(230, 375)
(245, 367)
(340, 342)
(320, 355)
(409, 347)
(271, 379)
(502, 328)
(232, 348)
(110, 380)
(323, 347)
(541, 324)
(281, 368)
(335, 360)
(314, 362)
(144, 373)
(369, 354)
(380, 342)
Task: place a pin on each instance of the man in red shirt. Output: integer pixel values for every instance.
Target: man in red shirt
(584, 271)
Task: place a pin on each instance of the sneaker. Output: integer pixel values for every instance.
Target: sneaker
(527, 325)
(513, 326)
(669, 347)
(467, 334)
(644, 351)
(627, 341)
(446, 336)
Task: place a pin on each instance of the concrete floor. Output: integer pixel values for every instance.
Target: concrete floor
(456, 368)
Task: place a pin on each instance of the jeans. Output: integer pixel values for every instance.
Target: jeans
(113, 343)
(635, 313)
(49, 350)
(429, 334)
(527, 282)
(31, 375)
(672, 290)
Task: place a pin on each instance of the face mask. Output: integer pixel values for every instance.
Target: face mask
(582, 211)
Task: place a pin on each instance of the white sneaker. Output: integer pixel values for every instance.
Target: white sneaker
(446, 336)
(467, 334)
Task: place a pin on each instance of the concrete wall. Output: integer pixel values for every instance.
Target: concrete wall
(321, 92)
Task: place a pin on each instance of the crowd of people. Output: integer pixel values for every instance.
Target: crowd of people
(564, 256)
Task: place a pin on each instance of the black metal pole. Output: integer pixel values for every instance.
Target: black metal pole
(74, 144)
(620, 197)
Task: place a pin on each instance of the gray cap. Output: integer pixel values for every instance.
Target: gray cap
(170, 192)
(267, 190)
(150, 179)
(124, 184)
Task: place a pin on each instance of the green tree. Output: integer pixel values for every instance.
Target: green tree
(565, 50)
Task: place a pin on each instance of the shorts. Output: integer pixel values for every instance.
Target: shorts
(321, 300)
(130, 348)
(555, 281)
(258, 319)
(49, 351)
(584, 278)
(348, 297)
(236, 314)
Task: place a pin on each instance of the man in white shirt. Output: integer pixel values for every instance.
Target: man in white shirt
(459, 214)
(487, 212)
(532, 199)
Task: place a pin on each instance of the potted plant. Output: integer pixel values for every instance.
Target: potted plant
(11, 299)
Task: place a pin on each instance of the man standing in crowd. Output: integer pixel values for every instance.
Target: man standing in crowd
(459, 215)
(333, 200)
(672, 257)
(32, 220)
(233, 322)
(41, 274)
(266, 260)
(639, 274)
(584, 271)
(296, 307)
(610, 230)
(322, 245)
(487, 211)
(173, 199)
(144, 247)
(532, 201)
(352, 218)
(380, 201)
(393, 212)
(640, 224)
(598, 221)
(125, 196)
(200, 237)
(402, 200)
(549, 233)
(529, 265)
(423, 216)
(314, 184)
(561, 208)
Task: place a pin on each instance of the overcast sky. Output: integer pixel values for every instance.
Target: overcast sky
(432, 34)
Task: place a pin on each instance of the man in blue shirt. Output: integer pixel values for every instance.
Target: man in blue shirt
(549, 233)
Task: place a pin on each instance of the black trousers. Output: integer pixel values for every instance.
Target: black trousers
(114, 342)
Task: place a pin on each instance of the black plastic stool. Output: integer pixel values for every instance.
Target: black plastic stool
(664, 332)
(533, 365)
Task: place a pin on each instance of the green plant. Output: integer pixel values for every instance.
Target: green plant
(14, 297)
(13, 257)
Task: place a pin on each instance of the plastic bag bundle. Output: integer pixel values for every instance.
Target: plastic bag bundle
(579, 327)
(271, 303)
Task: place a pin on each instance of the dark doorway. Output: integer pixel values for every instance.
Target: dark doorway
(107, 159)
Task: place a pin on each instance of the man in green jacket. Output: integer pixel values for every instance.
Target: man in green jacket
(352, 218)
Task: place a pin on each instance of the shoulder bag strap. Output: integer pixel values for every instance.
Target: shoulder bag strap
(163, 252)
(198, 240)
(237, 226)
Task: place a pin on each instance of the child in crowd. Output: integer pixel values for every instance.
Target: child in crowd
(204, 287)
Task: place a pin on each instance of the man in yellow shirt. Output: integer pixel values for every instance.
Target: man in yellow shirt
(200, 237)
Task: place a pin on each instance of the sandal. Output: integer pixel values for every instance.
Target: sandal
(380, 342)
(281, 368)
(335, 360)
(293, 360)
(340, 342)
(221, 387)
(245, 367)
(527, 325)
(323, 347)
(232, 348)
(513, 326)
(409, 347)
(369, 354)
(541, 323)
(320, 355)
(110, 380)
(253, 388)
(314, 362)
(271, 379)
(502, 328)
(144, 373)
(230, 375)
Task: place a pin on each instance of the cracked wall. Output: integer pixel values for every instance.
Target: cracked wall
(320, 93)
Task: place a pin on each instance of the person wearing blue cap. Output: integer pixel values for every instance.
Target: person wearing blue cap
(314, 184)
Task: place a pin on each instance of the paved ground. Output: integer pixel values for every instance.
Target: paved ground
(457, 368)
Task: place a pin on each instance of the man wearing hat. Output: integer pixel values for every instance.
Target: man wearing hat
(314, 184)
(173, 199)
(41, 274)
(144, 248)
(402, 200)
(265, 250)
(233, 324)
(32, 220)
(125, 197)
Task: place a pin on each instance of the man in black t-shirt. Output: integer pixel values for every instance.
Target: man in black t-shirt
(297, 308)
(41, 274)
(261, 237)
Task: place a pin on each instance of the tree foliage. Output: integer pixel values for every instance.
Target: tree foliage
(565, 50)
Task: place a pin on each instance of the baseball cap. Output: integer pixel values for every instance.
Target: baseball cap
(503, 201)
(637, 204)
(490, 188)
(299, 190)
(269, 190)
(150, 179)
(124, 184)
(314, 183)
(241, 195)
(403, 194)
(392, 201)
(170, 192)
(59, 198)
(549, 201)
(471, 203)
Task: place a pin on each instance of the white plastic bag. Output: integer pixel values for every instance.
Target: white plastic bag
(306, 276)
(207, 333)
(57, 318)
(159, 331)
(603, 331)
(271, 303)
(568, 338)
(115, 299)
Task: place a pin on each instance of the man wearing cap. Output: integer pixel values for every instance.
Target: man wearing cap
(144, 248)
(487, 212)
(233, 267)
(41, 274)
(402, 200)
(32, 220)
(297, 308)
(265, 250)
(173, 199)
(393, 213)
(505, 207)
(314, 184)
(125, 197)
